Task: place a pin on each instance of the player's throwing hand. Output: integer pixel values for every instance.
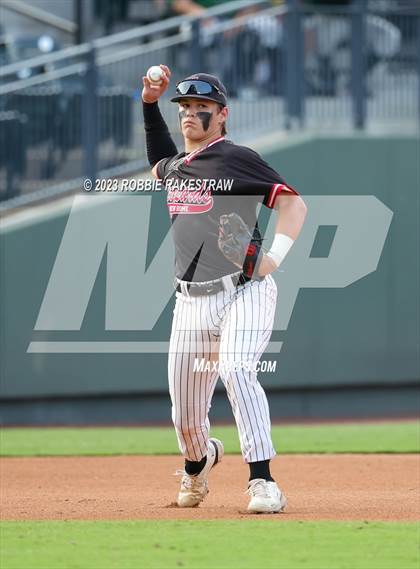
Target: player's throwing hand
(152, 91)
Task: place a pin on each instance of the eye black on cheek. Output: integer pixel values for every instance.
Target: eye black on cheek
(205, 118)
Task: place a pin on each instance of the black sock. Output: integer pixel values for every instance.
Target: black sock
(260, 469)
(195, 467)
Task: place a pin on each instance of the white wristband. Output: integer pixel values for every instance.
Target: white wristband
(280, 247)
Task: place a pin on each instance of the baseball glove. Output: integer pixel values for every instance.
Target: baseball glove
(238, 245)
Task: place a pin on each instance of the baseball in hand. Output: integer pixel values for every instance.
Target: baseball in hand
(155, 74)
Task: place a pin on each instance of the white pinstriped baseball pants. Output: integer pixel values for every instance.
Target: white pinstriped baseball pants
(232, 327)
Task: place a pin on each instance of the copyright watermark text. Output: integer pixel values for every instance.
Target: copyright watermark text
(133, 185)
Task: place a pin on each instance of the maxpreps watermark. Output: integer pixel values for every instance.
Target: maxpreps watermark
(133, 185)
(203, 365)
(113, 230)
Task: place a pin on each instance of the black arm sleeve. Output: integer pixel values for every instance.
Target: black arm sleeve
(159, 143)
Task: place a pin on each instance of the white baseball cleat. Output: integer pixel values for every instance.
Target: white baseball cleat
(194, 488)
(266, 497)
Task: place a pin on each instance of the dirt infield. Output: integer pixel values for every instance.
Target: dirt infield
(329, 487)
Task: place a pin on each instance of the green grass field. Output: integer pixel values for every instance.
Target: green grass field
(386, 437)
(248, 543)
(208, 544)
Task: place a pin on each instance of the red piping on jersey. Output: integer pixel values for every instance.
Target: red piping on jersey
(193, 154)
(276, 190)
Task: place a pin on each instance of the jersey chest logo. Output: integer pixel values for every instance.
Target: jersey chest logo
(182, 200)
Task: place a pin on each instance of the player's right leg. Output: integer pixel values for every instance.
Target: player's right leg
(192, 379)
(190, 373)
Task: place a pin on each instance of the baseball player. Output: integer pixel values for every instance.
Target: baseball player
(225, 295)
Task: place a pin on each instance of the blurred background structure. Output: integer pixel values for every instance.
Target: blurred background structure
(73, 112)
(328, 91)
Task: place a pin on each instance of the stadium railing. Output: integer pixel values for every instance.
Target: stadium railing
(76, 112)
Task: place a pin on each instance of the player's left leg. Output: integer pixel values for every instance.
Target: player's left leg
(246, 332)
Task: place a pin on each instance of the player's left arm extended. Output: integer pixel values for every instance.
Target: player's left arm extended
(291, 213)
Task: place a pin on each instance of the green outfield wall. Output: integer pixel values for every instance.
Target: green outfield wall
(363, 334)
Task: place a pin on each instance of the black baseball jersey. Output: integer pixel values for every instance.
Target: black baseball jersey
(217, 179)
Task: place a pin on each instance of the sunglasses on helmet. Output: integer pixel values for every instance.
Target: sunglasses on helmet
(196, 88)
